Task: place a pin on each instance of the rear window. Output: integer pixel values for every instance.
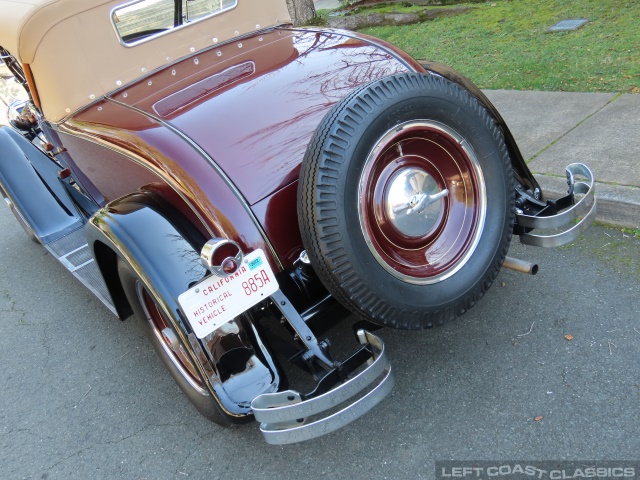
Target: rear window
(141, 20)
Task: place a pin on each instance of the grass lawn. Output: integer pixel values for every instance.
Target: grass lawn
(503, 44)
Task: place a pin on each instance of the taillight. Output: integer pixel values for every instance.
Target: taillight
(221, 256)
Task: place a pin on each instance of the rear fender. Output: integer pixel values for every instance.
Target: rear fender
(163, 251)
(29, 180)
(521, 170)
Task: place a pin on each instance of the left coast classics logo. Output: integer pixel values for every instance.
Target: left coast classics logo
(547, 470)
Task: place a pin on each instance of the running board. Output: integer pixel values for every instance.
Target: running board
(74, 253)
(563, 212)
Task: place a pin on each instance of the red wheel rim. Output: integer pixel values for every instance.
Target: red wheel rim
(422, 202)
(165, 333)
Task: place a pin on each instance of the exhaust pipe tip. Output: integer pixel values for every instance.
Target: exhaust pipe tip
(521, 266)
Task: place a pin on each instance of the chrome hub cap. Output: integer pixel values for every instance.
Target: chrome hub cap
(413, 201)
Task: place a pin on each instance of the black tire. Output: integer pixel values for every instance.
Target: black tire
(178, 363)
(402, 139)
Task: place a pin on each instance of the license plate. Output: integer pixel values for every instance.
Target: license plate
(216, 300)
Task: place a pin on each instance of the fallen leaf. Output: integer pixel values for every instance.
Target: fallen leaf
(538, 418)
(568, 336)
(503, 284)
(635, 90)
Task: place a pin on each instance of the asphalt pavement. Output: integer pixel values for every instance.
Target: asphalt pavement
(543, 367)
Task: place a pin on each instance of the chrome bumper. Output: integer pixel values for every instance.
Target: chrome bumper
(284, 416)
(571, 210)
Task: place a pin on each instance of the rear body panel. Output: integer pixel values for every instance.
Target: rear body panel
(145, 151)
(251, 107)
(256, 123)
(248, 109)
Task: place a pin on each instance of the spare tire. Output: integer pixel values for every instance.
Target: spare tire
(406, 200)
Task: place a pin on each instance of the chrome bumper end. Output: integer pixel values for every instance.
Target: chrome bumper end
(577, 215)
(285, 416)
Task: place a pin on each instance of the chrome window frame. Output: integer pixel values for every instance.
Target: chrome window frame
(112, 13)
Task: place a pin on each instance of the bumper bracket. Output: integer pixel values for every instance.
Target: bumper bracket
(564, 212)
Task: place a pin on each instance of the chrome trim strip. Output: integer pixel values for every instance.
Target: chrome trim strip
(585, 206)
(282, 414)
(218, 170)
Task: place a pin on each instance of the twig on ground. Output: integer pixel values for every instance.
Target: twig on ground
(531, 328)
(87, 392)
(610, 344)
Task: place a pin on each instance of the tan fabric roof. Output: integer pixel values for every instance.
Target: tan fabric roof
(76, 56)
(24, 23)
(13, 15)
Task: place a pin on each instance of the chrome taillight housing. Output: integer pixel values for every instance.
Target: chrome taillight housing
(221, 256)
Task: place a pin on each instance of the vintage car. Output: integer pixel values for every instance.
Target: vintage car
(235, 181)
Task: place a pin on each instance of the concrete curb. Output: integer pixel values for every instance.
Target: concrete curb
(618, 205)
(554, 129)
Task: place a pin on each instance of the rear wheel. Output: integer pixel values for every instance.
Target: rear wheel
(406, 201)
(168, 346)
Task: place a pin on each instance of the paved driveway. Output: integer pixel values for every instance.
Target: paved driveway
(83, 395)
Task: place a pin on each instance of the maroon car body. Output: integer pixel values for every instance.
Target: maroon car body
(167, 182)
